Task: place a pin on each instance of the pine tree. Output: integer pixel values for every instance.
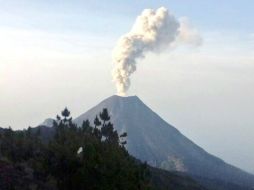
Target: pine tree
(97, 122)
(122, 139)
(96, 131)
(55, 163)
(86, 127)
(104, 116)
(65, 114)
(107, 130)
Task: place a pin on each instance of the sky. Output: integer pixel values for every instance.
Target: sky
(59, 53)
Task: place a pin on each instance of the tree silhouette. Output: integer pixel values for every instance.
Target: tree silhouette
(104, 116)
(56, 163)
(86, 127)
(66, 114)
(96, 131)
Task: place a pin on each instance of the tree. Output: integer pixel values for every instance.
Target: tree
(123, 139)
(96, 131)
(58, 118)
(86, 127)
(29, 132)
(55, 164)
(96, 122)
(107, 130)
(66, 114)
(104, 116)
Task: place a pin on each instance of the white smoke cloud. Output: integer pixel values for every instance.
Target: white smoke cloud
(188, 34)
(154, 30)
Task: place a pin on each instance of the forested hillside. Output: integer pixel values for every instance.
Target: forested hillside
(69, 157)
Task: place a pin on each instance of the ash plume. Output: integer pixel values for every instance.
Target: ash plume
(154, 31)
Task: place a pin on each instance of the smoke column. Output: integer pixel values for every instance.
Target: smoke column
(153, 30)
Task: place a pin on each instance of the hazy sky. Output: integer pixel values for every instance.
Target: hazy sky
(58, 53)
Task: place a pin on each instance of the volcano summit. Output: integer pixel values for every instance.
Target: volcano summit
(153, 140)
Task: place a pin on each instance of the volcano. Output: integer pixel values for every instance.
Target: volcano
(151, 139)
(161, 145)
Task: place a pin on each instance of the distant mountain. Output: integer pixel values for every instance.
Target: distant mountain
(47, 122)
(152, 139)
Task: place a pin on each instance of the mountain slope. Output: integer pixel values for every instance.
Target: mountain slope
(47, 122)
(162, 179)
(152, 139)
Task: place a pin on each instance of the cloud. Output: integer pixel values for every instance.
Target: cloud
(188, 34)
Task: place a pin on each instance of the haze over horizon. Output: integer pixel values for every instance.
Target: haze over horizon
(50, 51)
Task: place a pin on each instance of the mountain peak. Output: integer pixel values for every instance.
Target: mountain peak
(47, 122)
(125, 98)
(151, 139)
(123, 101)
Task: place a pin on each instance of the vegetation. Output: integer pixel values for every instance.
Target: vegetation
(87, 157)
(67, 157)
